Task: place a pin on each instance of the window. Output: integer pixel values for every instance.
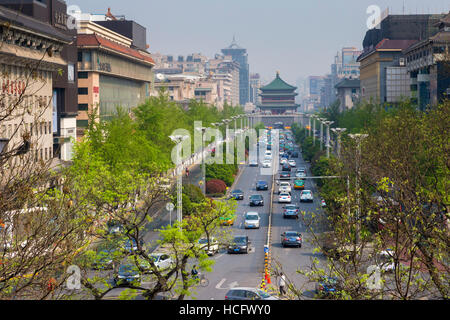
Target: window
(83, 107)
(82, 75)
(83, 91)
(80, 56)
(71, 72)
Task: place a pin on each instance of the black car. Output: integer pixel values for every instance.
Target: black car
(294, 154)
(237, 194)
(285, 175)
(240, 244)
(262, 185)
(286, 167)
(291, 238)
(256, 200)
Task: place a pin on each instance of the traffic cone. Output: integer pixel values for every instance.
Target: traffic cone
(268, 278)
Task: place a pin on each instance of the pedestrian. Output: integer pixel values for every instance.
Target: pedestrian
(187, 172)
(282, 284)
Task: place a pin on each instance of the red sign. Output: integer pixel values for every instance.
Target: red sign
(96, 89)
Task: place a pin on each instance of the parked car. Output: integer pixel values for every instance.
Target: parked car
(291, 238)
(299, 184)
(127, 274)
(262, 185)
(131, 245)
(285, 176)
(285, 187)
(284, 198)
(240, 244)
(291, 211)
(292, 163)
(114, 227)
(385, 260)
(306, 196)
(256, 200)
(104, 259)
(244, 293)
(327, 286)
(212, 248)
(237, 194)
(252, 220)
(162, 260)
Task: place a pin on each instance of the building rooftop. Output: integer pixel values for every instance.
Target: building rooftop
(278, 84)
(93, 40)
(348, 83)
(388, 45)
(20, 20)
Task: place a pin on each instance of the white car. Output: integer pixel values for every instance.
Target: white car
(162, 260)
(292, 163)
(267, 164)
(283, 161)
(284, 198)
(253, 163)
(306, 196)
(385, 260)
(252, 220)
(213, 245)
(285, 187)
(268, 155)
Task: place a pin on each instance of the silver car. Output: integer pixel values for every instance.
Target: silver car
(252, 220)
(306, 196)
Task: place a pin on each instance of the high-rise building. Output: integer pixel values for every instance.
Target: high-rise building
(240, 55)
(255, 84)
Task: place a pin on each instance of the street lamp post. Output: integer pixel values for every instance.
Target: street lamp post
(338, 132)
(321, 132)
(179, 140)
(314, 129)
(328, 123)
(358, 138)
(203, 130)
(309, 125)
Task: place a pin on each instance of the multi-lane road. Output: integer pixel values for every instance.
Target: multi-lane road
(246, 270)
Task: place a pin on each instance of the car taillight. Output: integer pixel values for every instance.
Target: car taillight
(299, 239)
(285, 239)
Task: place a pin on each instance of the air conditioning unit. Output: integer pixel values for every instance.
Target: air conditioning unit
(402, 62)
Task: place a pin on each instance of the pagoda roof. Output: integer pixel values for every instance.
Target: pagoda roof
(278, 84)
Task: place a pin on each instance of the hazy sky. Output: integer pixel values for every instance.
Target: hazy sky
(297, 37)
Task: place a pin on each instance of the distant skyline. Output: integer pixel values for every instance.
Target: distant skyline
(297, 38)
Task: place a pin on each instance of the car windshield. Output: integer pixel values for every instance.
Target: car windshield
(291, 234)
(204, 241)
(291, 207)
(256, 197)
(262, 182)
(252, 217)
(237, 191)
(155, 258)
(306, 192)
(284, 195)
(240, 240)
(128, 268)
